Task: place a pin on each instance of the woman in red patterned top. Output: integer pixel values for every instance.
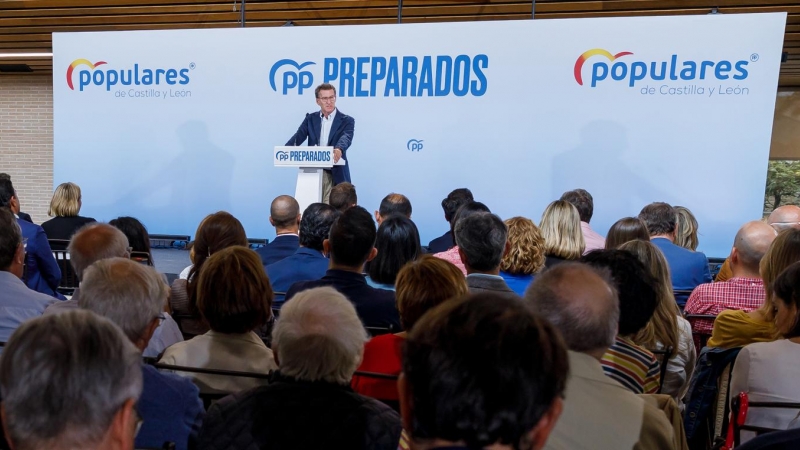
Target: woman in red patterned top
(420, 286)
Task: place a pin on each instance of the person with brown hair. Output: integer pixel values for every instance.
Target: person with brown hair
(216, 232)
(561, 228)
(525, 255)
(343, 196)
(626, 229)
(584, 203)
(421, 285)
(65, 207)
(234, 297)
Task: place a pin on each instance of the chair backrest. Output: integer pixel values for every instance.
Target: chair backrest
(741, 405)
(142, 257)
(378, 331)
(663, 355)
(69, 279)
(381, 377)
(700, 339)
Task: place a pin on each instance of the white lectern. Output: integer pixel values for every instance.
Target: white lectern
(310, 162)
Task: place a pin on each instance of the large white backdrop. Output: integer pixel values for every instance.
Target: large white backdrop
(169, 126)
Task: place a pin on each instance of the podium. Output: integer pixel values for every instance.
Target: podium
(310, 162)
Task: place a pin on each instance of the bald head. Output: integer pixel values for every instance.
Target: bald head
(749, 246)
(787, 216)
(94, 242)
(581, 302)
(393, 204)
(284, 214)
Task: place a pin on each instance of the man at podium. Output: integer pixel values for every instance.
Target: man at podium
(328, 127)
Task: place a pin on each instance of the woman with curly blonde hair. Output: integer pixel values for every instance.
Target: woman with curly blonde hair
(525, 255)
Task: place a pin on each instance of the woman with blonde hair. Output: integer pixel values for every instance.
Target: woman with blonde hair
(561, 229)
(735, 328)
(65, 207)
(667, 328)
(685, 228)
(525, 256)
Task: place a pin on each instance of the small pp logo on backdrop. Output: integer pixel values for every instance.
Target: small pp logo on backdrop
(414, 145)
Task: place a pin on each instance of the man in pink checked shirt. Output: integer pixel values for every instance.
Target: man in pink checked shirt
(584, 203)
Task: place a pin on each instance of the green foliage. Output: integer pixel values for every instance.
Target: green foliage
(783, 180)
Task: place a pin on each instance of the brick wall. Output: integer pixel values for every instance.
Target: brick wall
(26, 139)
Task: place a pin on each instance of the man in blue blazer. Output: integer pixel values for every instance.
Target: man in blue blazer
(307, 263)
(687, 268)
(284, 215)
(328, 127)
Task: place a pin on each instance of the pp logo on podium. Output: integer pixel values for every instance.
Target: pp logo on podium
(414, 145)
(282, 156)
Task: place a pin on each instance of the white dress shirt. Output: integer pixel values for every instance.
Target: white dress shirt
(325, 133)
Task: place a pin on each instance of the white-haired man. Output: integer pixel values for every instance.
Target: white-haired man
(318, 343)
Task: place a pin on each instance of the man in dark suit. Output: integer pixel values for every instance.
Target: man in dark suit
(687, 268)
(350, 245)
(393, 204)
(328, 127)
(482, 240)
(284, 215)
(450, 205)
(308, 263)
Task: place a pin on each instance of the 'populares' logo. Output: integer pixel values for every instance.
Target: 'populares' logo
(135, 76)
(79, 62)
(594, 52)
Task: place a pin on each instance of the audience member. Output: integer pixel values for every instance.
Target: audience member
(631, 365)
(138, 237)
(70, 381)
(319, 341)
(42, 273)
(626, 229)
(582, 303)
(343, 196)
(687, 268)
(422, 284)
(525, 255)
(65, 208)
(216, 232)
(482, 241)
(397, 243)
(284, 215)
(308, 262)
(393, 204)
(686, 229)
(24, 216)
(467, 384)
(452, 255)
(133, 296)
(768, 371)
(744, 290)
(584, 203)
(17, 302)
(667, 328)
(450, 204)
(350, 245)
(736, 328)
(235, 298)
(776, 440)
(561, 229)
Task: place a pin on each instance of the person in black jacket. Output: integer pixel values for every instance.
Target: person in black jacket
(318, 341)
(65, 207)
(450, 204)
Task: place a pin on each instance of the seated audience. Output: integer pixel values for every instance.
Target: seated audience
(350, 245)
(776, 440)
(599, 413)
(584, 203)
(744, 290)
(687, 268)
(393, 204)
(235, 298)
(42, 273)
(686, 229)
(284, 215)
(667, 327)
(467, 384)
(626, 229)
(482, 240)
(24, 216)
(17, 302)
(421, 285)
(633, 366)
(561, 229)
(308, 262)
(65, 208)
(525, 255)
(343, 196)
(397, 243)
(736, 328)
(216, 232)
(450, 204)
(133, 296)
(70, 381)
(308, 404)
(768, 371)
(452, 255)
(138, 237)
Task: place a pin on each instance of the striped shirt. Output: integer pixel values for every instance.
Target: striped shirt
(632, 366)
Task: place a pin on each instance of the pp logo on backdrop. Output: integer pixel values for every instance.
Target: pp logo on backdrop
(282, 156)
(292, 79)
(414, 145)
